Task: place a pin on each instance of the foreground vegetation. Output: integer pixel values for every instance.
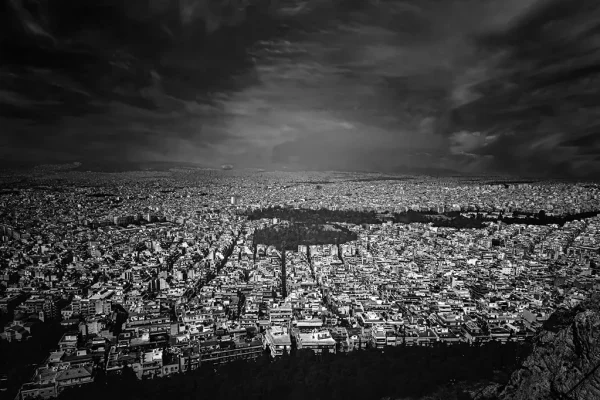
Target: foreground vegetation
(19, 359)
(398, 372)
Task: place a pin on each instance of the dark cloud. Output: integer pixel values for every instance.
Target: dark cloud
(457, 86)
(110, 80)
(537, 100)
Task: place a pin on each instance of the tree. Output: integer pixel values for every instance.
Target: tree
(542, 215)
(128, 374)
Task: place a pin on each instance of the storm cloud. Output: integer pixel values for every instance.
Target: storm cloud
(458, 86)
(535, 110)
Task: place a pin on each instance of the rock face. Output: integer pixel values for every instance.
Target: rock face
(565, 362)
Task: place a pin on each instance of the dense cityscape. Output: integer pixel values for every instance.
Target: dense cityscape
(299, 199)
(160, 273)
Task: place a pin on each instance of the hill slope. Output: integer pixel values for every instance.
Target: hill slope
(565, 362)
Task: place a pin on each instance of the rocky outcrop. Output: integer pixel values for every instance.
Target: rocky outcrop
(565, 362)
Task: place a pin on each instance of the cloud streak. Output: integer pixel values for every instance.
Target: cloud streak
(400, 86)
(538, 91)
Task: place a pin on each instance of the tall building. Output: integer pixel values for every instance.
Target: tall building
(37, 305)
(283, 272)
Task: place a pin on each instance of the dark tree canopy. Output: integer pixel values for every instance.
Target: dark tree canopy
(451, 219)
(302, 234)
(399, 372)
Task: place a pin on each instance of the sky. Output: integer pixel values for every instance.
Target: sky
(436, 87)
